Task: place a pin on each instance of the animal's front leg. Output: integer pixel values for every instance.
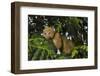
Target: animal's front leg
(58, 51)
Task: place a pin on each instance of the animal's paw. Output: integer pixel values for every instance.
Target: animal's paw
(58, 51)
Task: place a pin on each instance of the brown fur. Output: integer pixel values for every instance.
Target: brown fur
(58, 40)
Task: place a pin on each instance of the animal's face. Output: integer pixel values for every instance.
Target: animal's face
(48, 32)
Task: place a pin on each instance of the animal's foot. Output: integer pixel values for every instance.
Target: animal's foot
(58, 51)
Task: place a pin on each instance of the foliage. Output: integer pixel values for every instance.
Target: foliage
(39, 48)
(79, 52)
(74, 28)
